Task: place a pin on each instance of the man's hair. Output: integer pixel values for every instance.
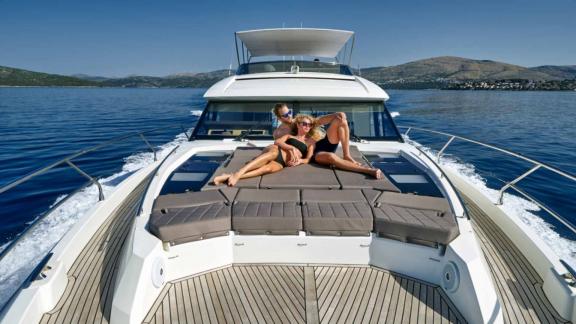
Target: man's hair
(277, 108)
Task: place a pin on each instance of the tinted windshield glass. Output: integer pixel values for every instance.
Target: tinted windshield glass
(286, 66)
(367, 120)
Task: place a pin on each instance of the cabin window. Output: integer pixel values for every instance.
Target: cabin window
(285, 66)
(367, 120)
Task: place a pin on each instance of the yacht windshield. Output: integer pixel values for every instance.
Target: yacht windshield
(255, 120)
(286, 66)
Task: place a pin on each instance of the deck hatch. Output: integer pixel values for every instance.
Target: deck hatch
(194, 173)
(408, 177)
(191, 176)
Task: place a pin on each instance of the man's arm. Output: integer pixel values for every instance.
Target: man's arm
(289, 149)
(327, 119)
(305, 159)
(280, 131)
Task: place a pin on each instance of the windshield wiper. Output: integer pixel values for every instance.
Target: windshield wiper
(243, 135)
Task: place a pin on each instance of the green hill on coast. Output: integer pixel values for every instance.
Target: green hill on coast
(437, 72)
(23, 78)
(457, 69)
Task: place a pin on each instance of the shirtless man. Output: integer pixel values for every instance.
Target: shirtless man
(338, 131)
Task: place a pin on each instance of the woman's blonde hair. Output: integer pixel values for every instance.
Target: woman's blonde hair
(316, 133)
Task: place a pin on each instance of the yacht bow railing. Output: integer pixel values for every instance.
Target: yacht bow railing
(535, 165)
(91, 180)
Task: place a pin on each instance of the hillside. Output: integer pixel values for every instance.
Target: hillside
(454, 69)
(18, 77)
(437, 72)
(560, 72)
(184, 80)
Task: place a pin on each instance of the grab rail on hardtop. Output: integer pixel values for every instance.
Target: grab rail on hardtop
(92, 180)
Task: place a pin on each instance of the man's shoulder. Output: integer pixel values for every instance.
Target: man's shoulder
(281, 131)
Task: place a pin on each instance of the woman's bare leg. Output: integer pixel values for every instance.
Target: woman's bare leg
(221, 178)
(257, 162)
(327, 158)
(339, 132)
(254, 168)
(271, 167)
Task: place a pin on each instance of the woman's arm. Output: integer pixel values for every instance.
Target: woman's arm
(308, 157)
(281, 142)
(291, 151)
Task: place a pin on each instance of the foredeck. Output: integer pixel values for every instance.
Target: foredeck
(88, 295)
(518, 285)
(282, 293)
(301, 294)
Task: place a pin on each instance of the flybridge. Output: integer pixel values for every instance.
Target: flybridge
(323, 43)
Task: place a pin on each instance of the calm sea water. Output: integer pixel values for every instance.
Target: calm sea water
(41, 125)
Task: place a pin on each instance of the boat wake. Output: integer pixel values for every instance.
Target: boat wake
(17, 264)
(394, 114)
(516, 206)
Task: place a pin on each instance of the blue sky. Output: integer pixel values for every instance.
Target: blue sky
(118, 38)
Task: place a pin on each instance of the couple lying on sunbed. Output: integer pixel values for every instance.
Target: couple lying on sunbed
(300, 140)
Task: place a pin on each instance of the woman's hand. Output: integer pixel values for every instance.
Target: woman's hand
(293, 163)
(294, 157)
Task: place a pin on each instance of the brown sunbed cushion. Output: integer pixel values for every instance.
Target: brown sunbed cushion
(301, 176)
(355, 180)
(267, 212)
(336, 212)
(417, 219)
(180, 218)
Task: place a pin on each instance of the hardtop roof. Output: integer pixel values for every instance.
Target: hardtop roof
(294, 41)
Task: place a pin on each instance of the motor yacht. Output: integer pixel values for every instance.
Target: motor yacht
(308, 244)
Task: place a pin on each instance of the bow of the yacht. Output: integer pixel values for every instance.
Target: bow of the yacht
(307, 244)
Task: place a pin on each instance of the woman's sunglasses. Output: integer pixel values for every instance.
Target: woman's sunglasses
(288, 114)
(305, 124)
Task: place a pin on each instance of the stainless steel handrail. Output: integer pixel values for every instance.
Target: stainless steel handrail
(511, 184)
(67, 161)
(92, 180)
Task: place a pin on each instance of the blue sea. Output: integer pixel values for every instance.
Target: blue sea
(39, 126)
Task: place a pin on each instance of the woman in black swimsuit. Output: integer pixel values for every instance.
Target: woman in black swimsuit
(338, 132)
(300, 144)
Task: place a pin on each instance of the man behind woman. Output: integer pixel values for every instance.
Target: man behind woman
(300, 141)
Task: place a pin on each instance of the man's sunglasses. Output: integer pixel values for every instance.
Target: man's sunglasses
(305, 124)
(288, 114)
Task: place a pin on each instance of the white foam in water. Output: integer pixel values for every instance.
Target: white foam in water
(394, 114)
(197, 113)
(23, 257)
(513, 205)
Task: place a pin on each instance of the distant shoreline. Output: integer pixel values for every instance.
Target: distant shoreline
(444, 72)
(385, 88)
